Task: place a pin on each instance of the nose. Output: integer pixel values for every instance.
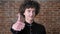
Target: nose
(31, 14)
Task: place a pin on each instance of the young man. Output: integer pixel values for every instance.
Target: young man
(28, 10)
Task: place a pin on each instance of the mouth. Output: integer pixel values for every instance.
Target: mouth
(31, 17)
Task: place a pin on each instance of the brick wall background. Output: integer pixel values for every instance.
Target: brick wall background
(49, 15)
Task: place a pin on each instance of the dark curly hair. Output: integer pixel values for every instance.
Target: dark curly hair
(29, 4)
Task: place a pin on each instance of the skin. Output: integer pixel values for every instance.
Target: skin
(29, 17)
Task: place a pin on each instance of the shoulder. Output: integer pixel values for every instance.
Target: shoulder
(39, 25)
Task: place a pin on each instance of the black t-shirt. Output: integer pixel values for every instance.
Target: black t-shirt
(33, 28)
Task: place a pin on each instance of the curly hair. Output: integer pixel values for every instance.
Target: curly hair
(29, 4)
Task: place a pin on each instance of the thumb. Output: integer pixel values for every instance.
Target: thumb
(19, 16)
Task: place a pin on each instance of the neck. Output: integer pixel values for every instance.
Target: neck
(29, 21)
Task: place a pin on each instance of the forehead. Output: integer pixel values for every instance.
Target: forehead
(30, 9)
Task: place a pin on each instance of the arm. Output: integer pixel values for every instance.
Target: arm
(42, 30)
(14, 31)
(18, 26)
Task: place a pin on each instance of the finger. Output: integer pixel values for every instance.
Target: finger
(18, 14)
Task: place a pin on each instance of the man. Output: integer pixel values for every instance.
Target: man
(28, 10)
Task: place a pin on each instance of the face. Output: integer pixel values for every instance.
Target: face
(29, 13)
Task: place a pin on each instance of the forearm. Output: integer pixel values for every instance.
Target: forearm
(14, 31)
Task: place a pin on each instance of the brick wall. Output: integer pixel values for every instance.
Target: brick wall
(49, 16)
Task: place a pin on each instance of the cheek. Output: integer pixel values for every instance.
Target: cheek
(33, 14)
(26, 14)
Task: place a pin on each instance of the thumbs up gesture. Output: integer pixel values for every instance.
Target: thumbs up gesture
(19, 25)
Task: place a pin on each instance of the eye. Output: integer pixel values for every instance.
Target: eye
(34, 11)
(28, 10)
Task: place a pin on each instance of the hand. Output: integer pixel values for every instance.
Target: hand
(19, 25)
(20, 17)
